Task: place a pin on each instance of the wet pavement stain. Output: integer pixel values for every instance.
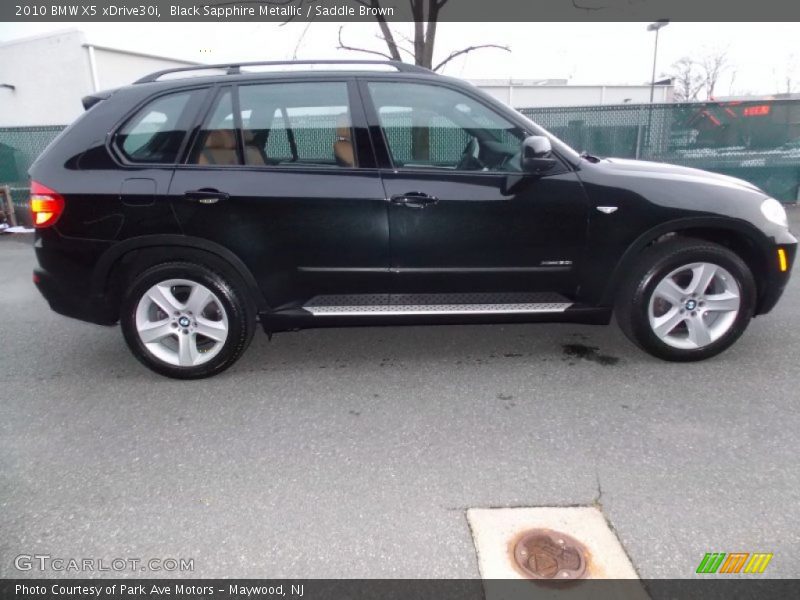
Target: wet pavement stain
(581, 351)
(507, 400)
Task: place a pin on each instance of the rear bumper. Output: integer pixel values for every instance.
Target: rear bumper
(64, 277)
(66, 300)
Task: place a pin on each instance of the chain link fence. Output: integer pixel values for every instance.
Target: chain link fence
(19, 147)
(755, 141)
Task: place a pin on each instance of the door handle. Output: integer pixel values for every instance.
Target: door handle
(206, 196)
(414, 199)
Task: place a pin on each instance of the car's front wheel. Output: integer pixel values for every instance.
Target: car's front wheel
(186, 321)
(686, 300)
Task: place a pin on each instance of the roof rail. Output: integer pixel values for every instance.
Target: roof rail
(236, 68)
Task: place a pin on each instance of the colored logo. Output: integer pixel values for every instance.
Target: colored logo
(735, 562)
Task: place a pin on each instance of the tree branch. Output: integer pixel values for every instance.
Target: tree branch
(400, 47)
(387, 33)
(469, 49)
(430, 31)
(301, 38)
(343, 46)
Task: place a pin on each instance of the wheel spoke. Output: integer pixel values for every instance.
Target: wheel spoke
(663, 325)
(216, 330)
(724, 302)
(699, 333)
(162, 296)
(198, 299)
(702, 275)
(155, 331)
(670, 291)
(187, 349)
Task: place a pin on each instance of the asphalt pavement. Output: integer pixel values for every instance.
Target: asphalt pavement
(356, 452)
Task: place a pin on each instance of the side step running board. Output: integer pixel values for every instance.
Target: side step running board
(435, 304)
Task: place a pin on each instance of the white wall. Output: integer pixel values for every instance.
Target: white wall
(530, 96)
(50, 75)
(115, 69)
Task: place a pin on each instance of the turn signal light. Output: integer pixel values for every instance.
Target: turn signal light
(46, 205)
(783, 264)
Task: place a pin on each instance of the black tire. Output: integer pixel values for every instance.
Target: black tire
(239, 310)
(655, 263)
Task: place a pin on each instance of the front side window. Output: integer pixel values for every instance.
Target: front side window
(429, 126)
(156, 132)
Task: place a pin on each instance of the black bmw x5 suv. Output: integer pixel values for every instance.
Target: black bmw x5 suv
(190, 209)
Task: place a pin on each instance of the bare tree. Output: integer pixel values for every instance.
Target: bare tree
(790, 77)
(418, 49)
(688, 79)
(713, 65)
(692, 76)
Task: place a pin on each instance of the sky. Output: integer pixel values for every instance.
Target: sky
(761, 56)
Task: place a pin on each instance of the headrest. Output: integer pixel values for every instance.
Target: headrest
(221, 139)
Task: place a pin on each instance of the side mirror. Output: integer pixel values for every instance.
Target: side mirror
(537, 155)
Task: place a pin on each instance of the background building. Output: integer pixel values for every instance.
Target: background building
(532, 93)
(43, 78)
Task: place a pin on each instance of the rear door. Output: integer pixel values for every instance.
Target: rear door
(280, 174)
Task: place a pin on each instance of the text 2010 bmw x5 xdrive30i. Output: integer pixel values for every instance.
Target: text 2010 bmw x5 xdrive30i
(190, 208)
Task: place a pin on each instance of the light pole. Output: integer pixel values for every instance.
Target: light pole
(653, 27)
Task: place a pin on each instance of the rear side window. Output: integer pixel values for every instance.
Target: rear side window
(218, 145)
(282, 124)
(156, 132)
(297, 124)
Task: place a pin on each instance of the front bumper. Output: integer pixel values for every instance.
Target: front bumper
(776, 279)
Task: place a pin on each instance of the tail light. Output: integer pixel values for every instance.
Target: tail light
(46, 205)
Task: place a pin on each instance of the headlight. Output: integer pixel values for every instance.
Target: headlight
(774, 212)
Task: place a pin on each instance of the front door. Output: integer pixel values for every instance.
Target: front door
(278, 175)
(462, 215)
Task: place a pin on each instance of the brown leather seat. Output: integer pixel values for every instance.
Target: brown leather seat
(343, 146)
(219, 149)
(252, 155)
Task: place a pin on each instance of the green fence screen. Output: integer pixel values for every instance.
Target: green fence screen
(756, 141)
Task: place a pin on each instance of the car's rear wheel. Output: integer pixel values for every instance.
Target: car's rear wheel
(686, 300)
(186, 321)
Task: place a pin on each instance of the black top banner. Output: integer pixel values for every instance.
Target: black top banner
(399, 10)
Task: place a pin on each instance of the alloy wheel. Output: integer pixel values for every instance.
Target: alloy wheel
(181, 322)
(694, 305)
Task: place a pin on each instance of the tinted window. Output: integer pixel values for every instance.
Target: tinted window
(297, 124)
(155, 133)
(431, 126)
